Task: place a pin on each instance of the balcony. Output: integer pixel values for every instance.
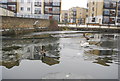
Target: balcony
(56, 4)
(109, 6)
(48, 4)
(38, 4)
(4, 1)
(48, 12)
(11, 0)
(13, 9)
(56, 12)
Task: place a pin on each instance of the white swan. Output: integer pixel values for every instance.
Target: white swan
(84, 44)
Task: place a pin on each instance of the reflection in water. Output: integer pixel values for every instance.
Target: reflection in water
(103, 61)
(64, 50)
(101, 52)
(102, 58)
(10, 64)
(48, 54)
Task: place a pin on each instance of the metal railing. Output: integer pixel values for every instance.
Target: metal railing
(40, 16)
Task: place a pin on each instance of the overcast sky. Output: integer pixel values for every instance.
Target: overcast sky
(66, 4)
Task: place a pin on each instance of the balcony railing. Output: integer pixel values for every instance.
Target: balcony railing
(52, 12)
(48, 4)
(58, 4)
(38, 4)
(110, 6)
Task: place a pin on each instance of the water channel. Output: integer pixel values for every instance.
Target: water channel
(60, 55)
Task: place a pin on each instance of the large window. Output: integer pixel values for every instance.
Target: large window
(112, 4)
(106, 5)
(106, 12)
(37, 10)
(106, 20)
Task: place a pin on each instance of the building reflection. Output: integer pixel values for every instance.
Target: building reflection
(48, 54)
(103, 40)
(103, 57)
(105, 61)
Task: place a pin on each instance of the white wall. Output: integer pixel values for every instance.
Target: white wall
(5, 12)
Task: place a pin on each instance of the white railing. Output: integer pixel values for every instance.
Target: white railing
(40, 16)
(87, 26)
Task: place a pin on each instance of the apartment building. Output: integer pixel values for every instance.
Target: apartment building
(9, 5)
(47, 9)
(103, 12)
(64, 16)
(77, 15)
(52, 8)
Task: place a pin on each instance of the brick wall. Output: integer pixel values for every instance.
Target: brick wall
(15, 22)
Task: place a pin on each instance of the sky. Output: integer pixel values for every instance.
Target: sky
(66, 4)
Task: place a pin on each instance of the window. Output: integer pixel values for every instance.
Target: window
(93, 3)
(118, 20)
(106, 5)
(93, 15)
(106, 20)
(93, 9)
(87, 4)
(106, 12)
(37, 10)
(93, 19)
(22, 8)
(37, 3)
(112, 5)
(28, 9)
(112, 13)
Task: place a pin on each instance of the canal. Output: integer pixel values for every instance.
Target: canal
(60, 55)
